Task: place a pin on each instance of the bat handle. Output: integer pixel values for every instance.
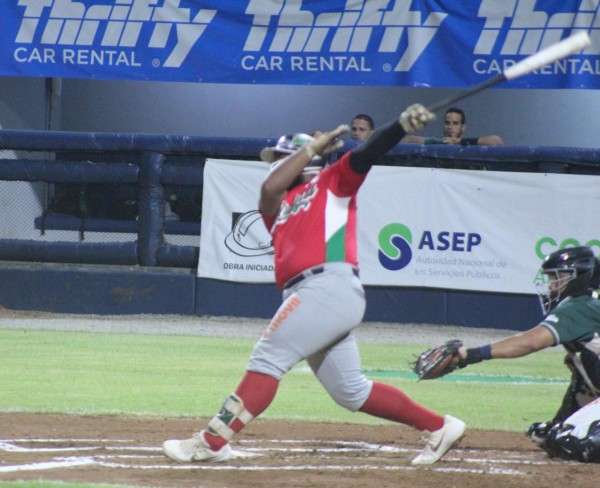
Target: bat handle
(436, 107)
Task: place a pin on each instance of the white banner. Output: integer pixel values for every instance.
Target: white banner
(234, 242)
(454, 229)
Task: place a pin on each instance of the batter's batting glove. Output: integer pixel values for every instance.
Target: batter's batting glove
(327, 142)
(415, 117)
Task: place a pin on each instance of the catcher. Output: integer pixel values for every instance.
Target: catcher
(571, 307)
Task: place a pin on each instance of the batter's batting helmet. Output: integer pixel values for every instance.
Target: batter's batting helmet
(286, 144)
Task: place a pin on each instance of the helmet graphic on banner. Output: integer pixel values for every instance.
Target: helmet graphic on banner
(249, 237)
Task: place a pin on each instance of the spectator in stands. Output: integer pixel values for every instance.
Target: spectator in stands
(362, 127)
(455, 126)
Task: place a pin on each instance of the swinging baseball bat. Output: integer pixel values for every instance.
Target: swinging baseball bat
(562, 49)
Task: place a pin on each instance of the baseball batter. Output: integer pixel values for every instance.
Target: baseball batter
(310, 212)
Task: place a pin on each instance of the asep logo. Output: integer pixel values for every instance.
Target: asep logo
(394, 246)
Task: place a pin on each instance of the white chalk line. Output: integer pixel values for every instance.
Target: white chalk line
(86, 461)
(325, 454)
(44, 466)
(354, 445)
(129, 456)
(508, 456)
(104, 460)
(318, 467)
(9, 447)
(56, 440)
(319, 449)
(136, 448)
(359, 447)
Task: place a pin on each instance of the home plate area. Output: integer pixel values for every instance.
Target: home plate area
(126, 451)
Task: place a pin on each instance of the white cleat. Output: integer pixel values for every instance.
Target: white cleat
(441, 440)
(195, 449)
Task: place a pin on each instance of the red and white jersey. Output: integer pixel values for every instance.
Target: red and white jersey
(316, 222)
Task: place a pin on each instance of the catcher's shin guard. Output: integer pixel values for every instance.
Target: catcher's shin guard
(222, 424)
(577, 395)
(561, 443)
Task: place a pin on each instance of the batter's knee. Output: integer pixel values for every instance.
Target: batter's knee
(351, 394)
(264, 366)
(272, 358)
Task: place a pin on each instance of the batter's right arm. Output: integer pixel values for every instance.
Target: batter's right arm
(275, 185)
(288, 169)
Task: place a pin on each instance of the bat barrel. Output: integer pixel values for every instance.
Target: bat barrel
(562, 49)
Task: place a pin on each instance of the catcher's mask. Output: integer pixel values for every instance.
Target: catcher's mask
(286, 145)
(567, 273)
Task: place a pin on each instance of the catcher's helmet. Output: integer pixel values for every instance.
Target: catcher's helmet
(569, 272)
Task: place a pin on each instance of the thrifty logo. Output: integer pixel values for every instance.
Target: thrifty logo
(110, 29)
(521, 28)
(283, 26)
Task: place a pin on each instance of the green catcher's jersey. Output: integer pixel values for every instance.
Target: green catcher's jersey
(575, 323)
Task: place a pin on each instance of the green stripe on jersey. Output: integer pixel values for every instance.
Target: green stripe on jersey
(336, 250)
(336, 218)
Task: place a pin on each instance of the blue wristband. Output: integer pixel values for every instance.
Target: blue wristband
(478, 354)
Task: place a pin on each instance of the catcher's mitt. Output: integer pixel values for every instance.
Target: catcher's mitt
(438, 361)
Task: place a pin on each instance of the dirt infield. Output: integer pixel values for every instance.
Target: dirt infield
(126, 450)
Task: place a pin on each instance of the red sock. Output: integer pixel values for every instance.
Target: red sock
(257, 391)
(391, 403)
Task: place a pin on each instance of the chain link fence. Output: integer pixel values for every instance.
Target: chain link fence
(71, 212)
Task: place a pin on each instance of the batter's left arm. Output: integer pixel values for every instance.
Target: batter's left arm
(387, 136)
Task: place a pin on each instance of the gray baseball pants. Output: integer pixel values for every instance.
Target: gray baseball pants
(315, 322)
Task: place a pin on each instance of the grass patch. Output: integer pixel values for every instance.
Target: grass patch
(95, 373)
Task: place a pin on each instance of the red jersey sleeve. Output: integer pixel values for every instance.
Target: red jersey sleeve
(344, 180)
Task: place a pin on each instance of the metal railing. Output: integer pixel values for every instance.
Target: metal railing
(145, 163)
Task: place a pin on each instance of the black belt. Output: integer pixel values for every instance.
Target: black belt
(310, 272)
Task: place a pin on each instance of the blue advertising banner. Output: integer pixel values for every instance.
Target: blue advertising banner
(441, 43)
